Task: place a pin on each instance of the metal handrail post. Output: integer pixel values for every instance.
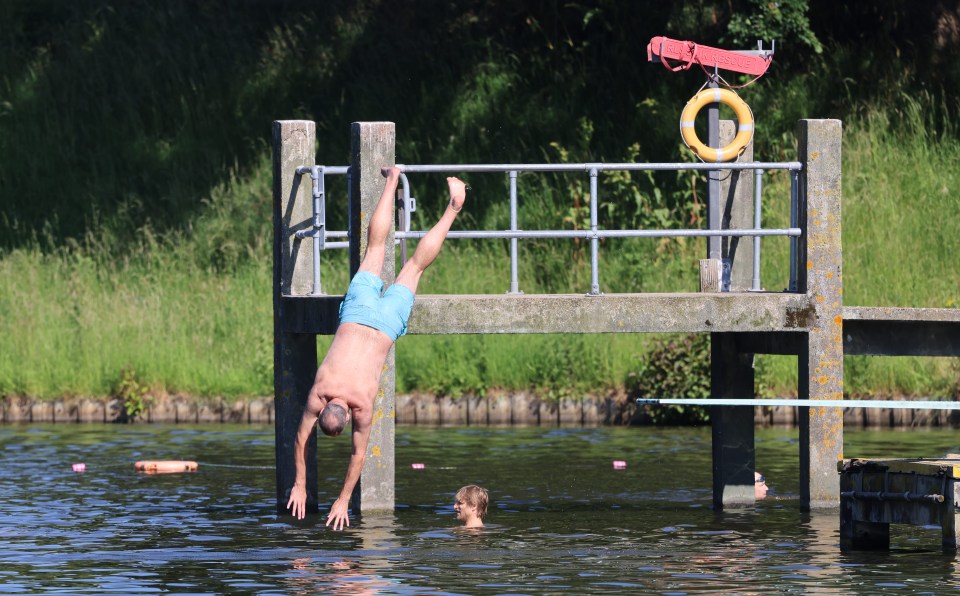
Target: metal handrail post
(794, 216)
(405, 223)
(594, 241)
(757, 183)
(319, 224)
(514, 273)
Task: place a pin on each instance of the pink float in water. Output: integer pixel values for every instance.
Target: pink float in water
(417, 466)
(619, 464)
(79, 467)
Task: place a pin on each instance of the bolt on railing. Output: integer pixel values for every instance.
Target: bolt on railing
(408, 205)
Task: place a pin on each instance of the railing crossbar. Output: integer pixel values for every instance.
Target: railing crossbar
(598, 234)
(600, 167)
(805, 403)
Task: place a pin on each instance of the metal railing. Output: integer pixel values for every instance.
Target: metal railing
(320, 234)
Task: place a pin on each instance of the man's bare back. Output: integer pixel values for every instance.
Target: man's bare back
(352, 367)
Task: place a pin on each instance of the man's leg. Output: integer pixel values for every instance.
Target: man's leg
(429, 246)
(380, 225)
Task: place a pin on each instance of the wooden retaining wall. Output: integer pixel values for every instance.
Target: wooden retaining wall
(503, 409)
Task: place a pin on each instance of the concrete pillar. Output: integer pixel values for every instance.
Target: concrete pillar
(819, 276)
(736, 204)
(373, 146)
(731, 374)
(734, 453)
(294, 354)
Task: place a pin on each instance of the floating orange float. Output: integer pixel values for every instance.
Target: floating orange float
(165, 466)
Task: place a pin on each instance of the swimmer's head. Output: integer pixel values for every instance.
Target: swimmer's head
(476, 497)
(760, 486)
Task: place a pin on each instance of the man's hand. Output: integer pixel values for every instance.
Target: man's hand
(390, 173)
(339, 515)
(298, 501)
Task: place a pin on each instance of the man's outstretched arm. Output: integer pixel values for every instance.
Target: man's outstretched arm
(340, 510)
(298, 494)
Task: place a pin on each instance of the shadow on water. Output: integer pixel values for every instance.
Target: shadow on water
(561, 518)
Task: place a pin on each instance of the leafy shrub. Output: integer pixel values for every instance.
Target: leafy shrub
(134, 395)
(675, 368)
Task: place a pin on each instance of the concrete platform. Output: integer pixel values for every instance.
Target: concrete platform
(576, 313)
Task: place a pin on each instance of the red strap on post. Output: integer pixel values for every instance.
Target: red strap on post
(663, 58)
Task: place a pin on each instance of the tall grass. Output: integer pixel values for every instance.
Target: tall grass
(76, 319)
(900, 203)
(73, 326)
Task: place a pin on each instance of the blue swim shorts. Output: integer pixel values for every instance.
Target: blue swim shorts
(367, 304)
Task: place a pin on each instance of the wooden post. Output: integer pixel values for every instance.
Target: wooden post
(373, 146)
(294, 354)
(820, 364)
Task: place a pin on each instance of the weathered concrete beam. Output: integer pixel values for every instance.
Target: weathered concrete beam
(578, 313)
(894, 331)
(620, 313)
(876, 331)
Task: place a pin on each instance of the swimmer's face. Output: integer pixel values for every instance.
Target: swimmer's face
(465, 511)
(760, 486)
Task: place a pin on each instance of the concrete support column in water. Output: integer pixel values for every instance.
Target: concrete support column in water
(820, 364)
(373, 146)
(294, 354)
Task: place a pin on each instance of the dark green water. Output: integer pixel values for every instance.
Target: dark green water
(562, 519)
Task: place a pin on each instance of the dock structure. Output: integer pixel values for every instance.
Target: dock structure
(808, 319)
(880, 492)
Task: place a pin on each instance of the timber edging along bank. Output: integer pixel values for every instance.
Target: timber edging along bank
(502, 409)
(167, 409)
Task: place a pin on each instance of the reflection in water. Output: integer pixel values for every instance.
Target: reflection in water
(352, 575)
(345, 576)
(562, 518)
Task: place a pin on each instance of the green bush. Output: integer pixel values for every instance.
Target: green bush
(674, 368)
(133, 394)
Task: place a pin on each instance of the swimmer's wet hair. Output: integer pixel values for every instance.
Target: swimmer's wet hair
(475, 496)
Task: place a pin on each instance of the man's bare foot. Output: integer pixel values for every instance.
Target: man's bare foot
(458, 193)
(390, 172)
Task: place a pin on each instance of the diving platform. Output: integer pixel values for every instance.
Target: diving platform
(808, 320)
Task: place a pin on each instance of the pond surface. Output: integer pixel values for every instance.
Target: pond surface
(562, 519)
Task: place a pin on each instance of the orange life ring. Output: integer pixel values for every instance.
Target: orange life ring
(165, 466)
(744, 125)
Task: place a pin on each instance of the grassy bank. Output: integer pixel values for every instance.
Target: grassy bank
(76, 321)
